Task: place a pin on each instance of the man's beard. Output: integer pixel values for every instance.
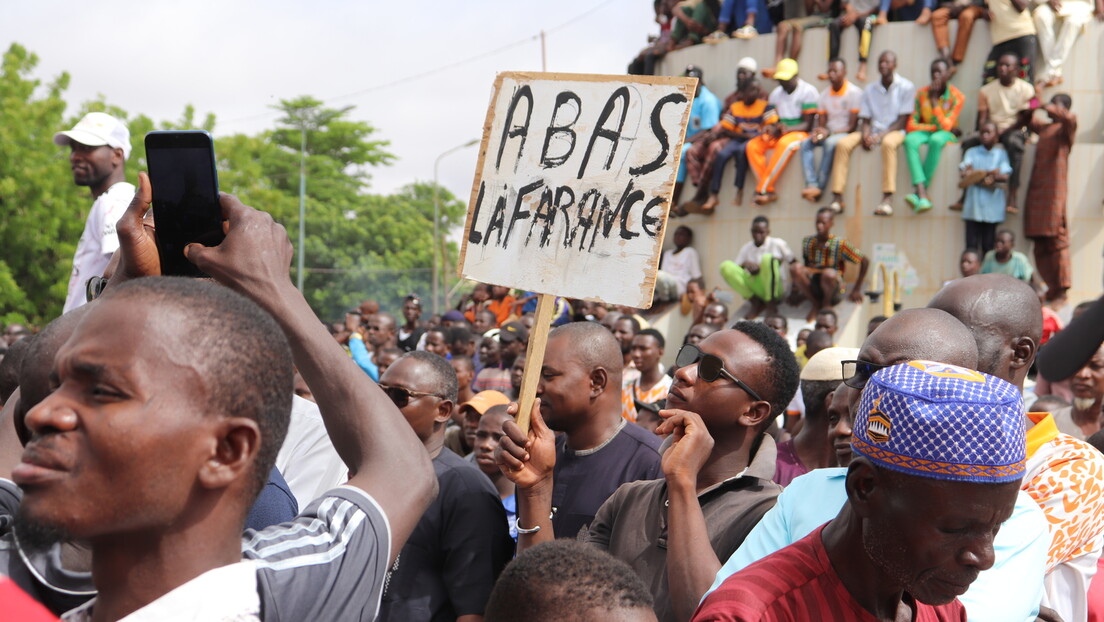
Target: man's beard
(36, 536)
(1083, 403)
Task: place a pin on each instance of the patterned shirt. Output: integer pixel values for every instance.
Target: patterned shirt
(831, 254)
(1065, 477)
(630, 391)
(926, 118)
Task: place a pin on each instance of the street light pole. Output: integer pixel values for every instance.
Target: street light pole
(436, 223)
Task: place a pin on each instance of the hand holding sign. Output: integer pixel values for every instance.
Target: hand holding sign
(572, 191)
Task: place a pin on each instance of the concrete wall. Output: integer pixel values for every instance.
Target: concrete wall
(932, 240)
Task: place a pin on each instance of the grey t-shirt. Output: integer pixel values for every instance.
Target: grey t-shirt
(327, 564)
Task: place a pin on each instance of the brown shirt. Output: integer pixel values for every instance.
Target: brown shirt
(632, 524)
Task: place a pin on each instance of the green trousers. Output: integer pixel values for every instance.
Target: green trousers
(766, 285)
(923, 173)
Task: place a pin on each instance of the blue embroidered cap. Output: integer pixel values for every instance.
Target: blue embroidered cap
(943, 422)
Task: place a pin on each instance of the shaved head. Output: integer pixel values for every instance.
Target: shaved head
(918, 334)
(928, 334)
(592, 344)
(1005, 317)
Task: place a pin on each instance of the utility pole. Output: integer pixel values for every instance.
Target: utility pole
(437, 225)
(306, 118)
(544, 54)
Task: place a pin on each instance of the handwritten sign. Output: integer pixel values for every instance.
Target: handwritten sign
(573, 183)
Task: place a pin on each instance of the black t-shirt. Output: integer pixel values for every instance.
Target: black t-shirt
(410, 342)
(452, 559)
(582, 481)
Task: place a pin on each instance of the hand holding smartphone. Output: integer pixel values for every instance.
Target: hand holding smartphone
(185, 196)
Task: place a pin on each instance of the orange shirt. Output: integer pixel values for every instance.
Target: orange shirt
(501, 308)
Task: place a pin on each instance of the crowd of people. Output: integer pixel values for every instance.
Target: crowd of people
(748, 481)
(761, 128)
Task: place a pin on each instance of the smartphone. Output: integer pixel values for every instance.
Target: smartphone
(185, 196)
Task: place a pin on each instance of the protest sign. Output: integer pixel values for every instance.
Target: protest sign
(572, 189)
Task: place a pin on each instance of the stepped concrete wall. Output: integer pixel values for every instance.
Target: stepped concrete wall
(934, 240)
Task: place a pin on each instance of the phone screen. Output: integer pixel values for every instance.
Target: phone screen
(185, 196)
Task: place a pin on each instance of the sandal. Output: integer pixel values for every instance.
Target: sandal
(883, 209)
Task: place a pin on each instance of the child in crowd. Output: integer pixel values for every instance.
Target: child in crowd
(476, 301)
(487, 435)
(982, 169)
(969, 263)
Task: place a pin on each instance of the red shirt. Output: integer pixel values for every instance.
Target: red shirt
(19, 606)
(798, 584)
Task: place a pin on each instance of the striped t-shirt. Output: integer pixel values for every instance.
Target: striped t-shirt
(746, 119)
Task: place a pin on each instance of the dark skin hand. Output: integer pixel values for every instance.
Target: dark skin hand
(682, 462)
(137, 232)
(1047, 614)
(527, 460)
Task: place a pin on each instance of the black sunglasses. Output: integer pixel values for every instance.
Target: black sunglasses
(856, 373)
(710, 367)
(401, 396)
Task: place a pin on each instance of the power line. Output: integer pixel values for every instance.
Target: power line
(453, 65)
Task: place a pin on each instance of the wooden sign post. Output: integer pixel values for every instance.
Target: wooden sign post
(572, 191)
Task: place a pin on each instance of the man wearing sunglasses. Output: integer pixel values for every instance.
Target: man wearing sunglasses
(461, 544)
(717, 467)
(815, 498)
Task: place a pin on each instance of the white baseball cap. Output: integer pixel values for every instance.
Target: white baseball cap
(97, 129)
(748, 63)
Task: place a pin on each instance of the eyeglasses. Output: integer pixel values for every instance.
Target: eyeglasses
(401, 396)
(710, 367)
(856, 373)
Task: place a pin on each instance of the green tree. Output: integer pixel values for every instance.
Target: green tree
(43, 212)
(358, 245)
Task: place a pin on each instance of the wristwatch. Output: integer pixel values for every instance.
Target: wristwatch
(94, 288)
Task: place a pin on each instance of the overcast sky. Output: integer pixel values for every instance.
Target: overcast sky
(237, 58)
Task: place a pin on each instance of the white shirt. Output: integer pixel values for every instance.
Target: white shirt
(307, 460)
(792, 107)
(883, 106)
(837, 107)
(225, 594)
(98, 241)
(774, 246)
(683, 265)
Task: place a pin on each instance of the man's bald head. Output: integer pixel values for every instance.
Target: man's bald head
(928, 334)
(1004, 316)
(592, 344)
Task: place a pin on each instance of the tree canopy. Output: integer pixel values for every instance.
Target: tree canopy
(358, 245)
